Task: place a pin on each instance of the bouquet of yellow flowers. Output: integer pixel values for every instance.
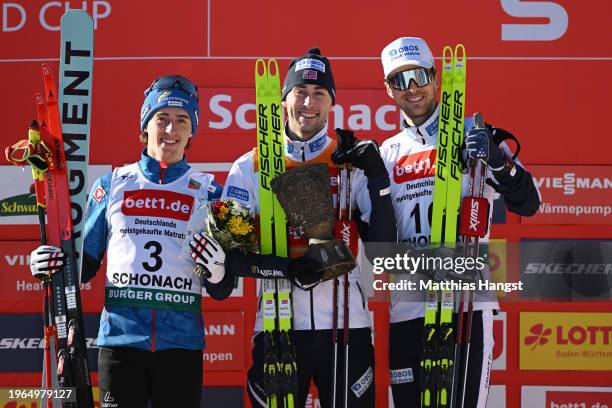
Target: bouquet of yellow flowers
(232, 225)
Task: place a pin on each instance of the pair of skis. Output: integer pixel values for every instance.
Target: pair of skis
(438, 362)
(59, 122)
(444, 363)
(280, 370)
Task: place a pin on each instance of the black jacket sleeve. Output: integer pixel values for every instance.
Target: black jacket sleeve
(382, 226)
(519, 191)
(238, 264)
(252, 265)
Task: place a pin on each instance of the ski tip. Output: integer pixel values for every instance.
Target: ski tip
(273, 68)
(460, 54)
(260, 68)
(447, 57)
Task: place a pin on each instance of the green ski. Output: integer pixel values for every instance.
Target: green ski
(280, 374)
(437, 363)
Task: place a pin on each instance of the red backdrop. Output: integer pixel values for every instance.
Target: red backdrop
(548, 83)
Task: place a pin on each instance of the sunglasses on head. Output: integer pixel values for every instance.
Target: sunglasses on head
(174, 81)
(401, 80)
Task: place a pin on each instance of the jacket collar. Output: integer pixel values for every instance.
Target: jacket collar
(152, 170)
(425, 133)
(298, 150)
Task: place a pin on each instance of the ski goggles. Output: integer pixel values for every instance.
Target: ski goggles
(24, 152)
(401, 80)
(174, 81)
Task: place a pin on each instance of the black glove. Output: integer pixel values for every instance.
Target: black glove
(305, 272)
(363, 154)
(480, 144)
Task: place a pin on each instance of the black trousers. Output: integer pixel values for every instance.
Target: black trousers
(314, 358)
(130, 377)
(406, 347)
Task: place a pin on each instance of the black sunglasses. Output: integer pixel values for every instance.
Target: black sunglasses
(174, 81)
(401, 80)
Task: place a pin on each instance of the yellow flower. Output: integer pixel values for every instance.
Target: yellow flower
(237, 226)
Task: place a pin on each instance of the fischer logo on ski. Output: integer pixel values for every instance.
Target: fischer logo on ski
(280, 370)
(438, 363)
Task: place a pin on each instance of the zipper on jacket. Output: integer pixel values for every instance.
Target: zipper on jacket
(153, 330)
(312, 319)
(420, 134)
(162, 171)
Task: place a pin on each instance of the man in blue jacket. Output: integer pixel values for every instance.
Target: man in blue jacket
(151, 333)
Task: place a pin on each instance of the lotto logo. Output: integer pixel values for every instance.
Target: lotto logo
(158, 204)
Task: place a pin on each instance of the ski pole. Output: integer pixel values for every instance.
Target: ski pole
(474, 226)
(32, 151)
(346, 294)
(48, 334)
(335, 301)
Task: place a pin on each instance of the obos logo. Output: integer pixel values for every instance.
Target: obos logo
(363, 383)
(415, 166)
(408, 49)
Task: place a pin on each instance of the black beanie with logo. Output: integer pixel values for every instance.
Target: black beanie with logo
(311, 68)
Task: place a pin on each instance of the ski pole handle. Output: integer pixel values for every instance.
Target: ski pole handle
(479, 121)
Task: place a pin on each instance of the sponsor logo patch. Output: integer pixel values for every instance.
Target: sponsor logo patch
(99, 194)
(157, 203)
(565, 341)
(175, 103)
(401, 376)
(310, 63)
(432, 128)
(239, 193)
(363, 383)
(415, 166)
(316, 145)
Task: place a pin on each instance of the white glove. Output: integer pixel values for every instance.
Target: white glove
(46, 260)
(206, 251)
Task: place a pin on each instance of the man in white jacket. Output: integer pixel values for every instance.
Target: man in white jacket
(409, 156)
(308, 95)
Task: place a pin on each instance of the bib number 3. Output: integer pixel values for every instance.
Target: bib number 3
(155, 263)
